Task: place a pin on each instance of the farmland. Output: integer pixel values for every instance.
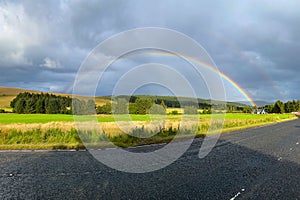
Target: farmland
(13, 118)
(46, 131)
(52, 131)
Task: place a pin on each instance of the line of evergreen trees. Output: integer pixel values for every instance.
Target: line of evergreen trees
(140, 105)
(83, 107)
(280, 107)
(44, 103)
(169, 101)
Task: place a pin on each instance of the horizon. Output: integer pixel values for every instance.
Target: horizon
(257, 102)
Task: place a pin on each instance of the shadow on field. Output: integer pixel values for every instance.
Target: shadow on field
(226, 171)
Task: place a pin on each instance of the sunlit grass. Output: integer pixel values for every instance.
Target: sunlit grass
(40, 131)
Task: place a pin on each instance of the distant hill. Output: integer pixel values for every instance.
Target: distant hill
(259, 103)
(7, 94)
(8, 91)
(172, 101)
(263, 103)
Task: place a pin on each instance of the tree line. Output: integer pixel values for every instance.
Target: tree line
(281, 107)
(140, 105)
(45, 103)
(143, 105)
(169, 101)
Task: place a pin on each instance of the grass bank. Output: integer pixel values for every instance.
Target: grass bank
(59, 132)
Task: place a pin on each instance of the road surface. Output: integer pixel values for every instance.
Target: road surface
(258, 163)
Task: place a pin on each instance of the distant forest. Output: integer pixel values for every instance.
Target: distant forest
(280, 107)
(41, 103)
(46, 103)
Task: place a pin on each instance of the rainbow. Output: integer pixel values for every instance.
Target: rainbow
(259, 67)
(207, 66)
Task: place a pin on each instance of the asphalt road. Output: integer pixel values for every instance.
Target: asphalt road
(259, 163)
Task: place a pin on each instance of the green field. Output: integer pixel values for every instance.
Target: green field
(13, 118)
(46, 131)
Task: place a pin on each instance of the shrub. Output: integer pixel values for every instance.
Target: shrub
(174, 112)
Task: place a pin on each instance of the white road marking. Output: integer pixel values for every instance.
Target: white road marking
(233, 198)
(238, 194)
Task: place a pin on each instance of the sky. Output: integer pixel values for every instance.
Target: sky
(256, 43)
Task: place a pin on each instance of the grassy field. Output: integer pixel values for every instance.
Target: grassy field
(5, 101)
(44, 131)
(13, 118)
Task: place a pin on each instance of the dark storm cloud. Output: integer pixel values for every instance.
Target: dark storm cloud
(256, 43)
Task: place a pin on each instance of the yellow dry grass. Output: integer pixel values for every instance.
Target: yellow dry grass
(99, 101)
(117, 128)
(7, 94)
(170, 110)
(5, 101)
(110, 128)
(64, 126)
(13, 91)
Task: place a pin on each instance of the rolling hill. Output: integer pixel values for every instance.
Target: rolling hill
(7, 94)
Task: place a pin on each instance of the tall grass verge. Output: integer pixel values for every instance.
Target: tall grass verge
(64, 135)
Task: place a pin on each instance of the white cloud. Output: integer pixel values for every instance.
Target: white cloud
(17, 32)
(51, 64)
